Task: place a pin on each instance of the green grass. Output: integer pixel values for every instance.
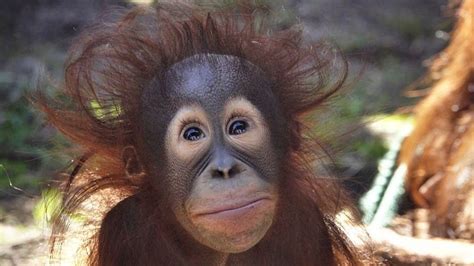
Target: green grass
(48, 207)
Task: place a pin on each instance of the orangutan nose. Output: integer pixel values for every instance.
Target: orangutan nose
(224, 165)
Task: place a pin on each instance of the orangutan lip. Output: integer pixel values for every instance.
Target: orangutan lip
(234, 207)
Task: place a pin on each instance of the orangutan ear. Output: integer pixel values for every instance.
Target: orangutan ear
(133, 166)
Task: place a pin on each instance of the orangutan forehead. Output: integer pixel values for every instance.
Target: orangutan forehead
(208, 81)
(228, 65)
(213, 78)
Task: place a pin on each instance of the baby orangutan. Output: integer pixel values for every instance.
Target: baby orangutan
(196, 116)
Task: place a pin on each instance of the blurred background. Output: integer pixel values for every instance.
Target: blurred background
(388, 44)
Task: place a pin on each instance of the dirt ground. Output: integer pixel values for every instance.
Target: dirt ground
(22, 240)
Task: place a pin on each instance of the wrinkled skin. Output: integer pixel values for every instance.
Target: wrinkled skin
(214, 127)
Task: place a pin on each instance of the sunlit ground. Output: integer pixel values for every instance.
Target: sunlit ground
(146, 2)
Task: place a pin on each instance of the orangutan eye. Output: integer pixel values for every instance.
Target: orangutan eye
(193, 134)
(238, 127)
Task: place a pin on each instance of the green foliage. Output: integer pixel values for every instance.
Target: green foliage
(17, 127)
(13, 172)
(410, 26)
(22, 146)
(108, 112)
(17, 130)
(48, 207)
(339, 116)
(371, 149)
(396, 74)
(352, 43)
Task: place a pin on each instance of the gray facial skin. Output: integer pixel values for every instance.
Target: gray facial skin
(222, 188)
